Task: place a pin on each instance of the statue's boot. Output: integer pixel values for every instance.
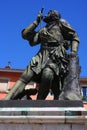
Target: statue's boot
(56, 88)
(71, 89)
(16, 90)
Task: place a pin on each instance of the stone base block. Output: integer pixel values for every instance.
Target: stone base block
(40, 103)
(48, 116)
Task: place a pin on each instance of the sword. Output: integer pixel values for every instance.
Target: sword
(41, 11)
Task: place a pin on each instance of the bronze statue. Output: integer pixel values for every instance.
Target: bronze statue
(49, 67)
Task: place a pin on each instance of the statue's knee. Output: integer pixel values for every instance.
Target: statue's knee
(47, 74)
(26, 76)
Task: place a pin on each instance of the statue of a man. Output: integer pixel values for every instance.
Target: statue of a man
(49, 66)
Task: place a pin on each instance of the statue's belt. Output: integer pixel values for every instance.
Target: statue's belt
(50, 45)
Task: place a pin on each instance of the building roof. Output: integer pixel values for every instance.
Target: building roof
(11, 70)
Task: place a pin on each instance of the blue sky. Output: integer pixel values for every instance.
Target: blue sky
(18, 14)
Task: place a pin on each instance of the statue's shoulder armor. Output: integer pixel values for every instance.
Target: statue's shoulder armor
(64, 22)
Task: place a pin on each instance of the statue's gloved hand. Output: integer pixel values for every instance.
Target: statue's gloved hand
(39, 17)
(72, 54)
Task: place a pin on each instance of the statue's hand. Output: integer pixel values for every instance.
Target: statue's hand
(73, 54)
(39, 17)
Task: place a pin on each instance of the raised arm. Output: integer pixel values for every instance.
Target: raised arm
(29, 32)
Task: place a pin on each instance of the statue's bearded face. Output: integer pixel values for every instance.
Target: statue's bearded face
(51, 16)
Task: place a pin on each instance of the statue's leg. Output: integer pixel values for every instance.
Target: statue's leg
(56, 88)
(46, 82)
(20, 84)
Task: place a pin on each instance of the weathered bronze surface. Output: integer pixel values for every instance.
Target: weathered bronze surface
(51, 66)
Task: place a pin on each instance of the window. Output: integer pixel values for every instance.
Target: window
(4, 84)
(84, 91)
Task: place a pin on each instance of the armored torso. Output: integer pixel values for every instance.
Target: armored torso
(50, 34)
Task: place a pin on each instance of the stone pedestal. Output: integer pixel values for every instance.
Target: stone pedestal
(42, 117)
